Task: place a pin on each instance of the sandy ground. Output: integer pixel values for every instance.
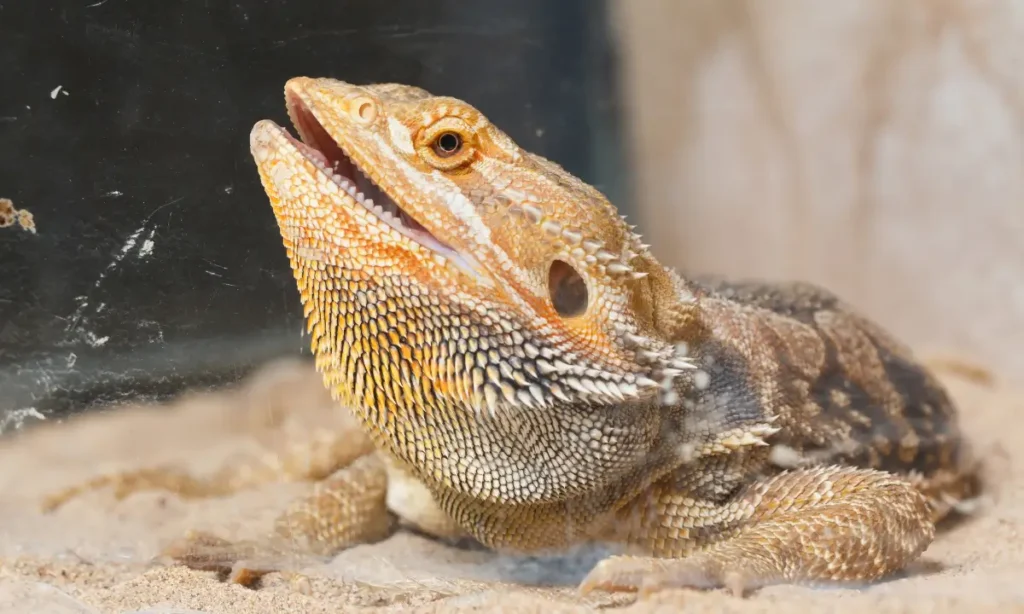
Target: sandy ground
(96, 554)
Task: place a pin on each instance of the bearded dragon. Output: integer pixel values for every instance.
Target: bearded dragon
(524, 371)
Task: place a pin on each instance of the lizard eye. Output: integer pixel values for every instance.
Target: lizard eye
(447, 144)
(568, 289)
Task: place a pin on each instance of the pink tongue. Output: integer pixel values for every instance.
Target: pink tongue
(322, 142)
(312, 152)
(411, 223)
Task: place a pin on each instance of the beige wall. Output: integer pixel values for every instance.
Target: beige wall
(874, 146)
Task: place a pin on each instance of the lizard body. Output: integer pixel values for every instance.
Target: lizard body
(530, 375)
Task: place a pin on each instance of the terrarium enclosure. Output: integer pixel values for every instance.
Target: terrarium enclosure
(149, 316)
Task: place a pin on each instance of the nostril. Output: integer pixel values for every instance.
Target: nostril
(366, 110)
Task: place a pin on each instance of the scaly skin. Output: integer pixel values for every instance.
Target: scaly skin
(530, 375)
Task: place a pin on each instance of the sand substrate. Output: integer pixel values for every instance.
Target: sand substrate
(96, 554)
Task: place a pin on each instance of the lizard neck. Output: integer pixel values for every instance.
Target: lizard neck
(522, 456)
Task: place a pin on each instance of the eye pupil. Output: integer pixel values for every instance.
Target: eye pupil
(448, 144)
(568, 289)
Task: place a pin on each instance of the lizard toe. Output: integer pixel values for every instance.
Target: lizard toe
(696, 573)
(620, 574)
(239, 562)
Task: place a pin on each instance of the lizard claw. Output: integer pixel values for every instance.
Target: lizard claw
(242, 563)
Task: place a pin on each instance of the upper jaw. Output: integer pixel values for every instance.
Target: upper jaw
(365, 187)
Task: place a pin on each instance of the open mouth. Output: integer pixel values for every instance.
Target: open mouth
(318, 145)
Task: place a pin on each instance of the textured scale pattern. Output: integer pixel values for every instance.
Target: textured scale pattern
(528, 374)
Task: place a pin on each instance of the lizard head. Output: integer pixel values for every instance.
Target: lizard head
(451, 278)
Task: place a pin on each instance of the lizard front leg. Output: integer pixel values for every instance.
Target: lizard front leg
(822, 525)
(361, 502)
(346, 509)
(347, 505)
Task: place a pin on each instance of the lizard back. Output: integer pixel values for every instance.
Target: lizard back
(844, 390)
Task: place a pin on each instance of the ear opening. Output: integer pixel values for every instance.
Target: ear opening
(567, 289)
